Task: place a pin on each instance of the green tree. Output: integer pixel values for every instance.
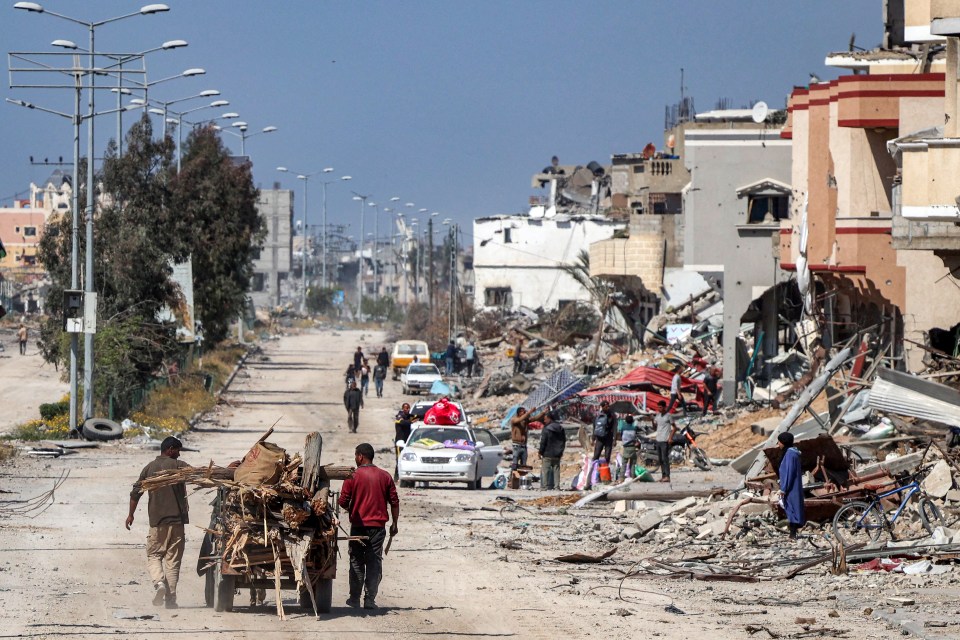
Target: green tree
(217, 200)
(136, 238)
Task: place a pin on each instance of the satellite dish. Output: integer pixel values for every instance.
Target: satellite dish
(760, 111)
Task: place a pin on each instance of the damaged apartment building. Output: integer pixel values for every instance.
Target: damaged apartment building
(704, 217)
(518, 259)
(876, 172)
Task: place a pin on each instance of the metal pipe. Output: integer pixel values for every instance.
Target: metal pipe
(88, 274)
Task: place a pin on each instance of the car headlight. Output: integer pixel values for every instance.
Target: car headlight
(409, 456)
(464, 457)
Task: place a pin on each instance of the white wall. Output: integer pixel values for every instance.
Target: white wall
(529, 263)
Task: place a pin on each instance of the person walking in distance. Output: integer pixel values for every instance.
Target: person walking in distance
(791, 484)
(379, 375)
(710, 390)
(675, 394)
(383, 358)
(470, 351)
(518, 357)
(365, 496)
(22, 338)
(168, 512)
(666, 429)
(553, 442)
(358, 359)
(365, 378)
(353, 402)
(401, 432)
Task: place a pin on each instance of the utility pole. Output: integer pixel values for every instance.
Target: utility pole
(430, 258)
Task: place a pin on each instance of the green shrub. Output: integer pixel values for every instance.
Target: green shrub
(50, 410)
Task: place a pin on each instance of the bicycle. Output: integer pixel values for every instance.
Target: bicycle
(860, 521)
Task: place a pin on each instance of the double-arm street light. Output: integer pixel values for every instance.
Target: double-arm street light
(243, 135)
(120, 60)
(363, 201)
(179, 122)
(149, 9)
(303, 264)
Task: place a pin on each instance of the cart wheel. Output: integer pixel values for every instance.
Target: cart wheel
(209, 587)
(224, 591)
(930, 515)
(324, 595)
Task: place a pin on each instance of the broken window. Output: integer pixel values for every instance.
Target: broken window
(257, 283)
(763, 208)
(665, 203)
(498, 297)
(507, 235)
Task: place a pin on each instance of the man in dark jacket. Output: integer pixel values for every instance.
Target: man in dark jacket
(366, 496)
(358, 359)
(353, 402)
(450, 357)
(553, 441)
(383, 358)
(710, 390)
(169, 512)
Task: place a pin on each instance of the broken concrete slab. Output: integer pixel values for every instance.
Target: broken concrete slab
(649, 521)
(939, 481)
(679, 506)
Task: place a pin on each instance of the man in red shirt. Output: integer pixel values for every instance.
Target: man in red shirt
(365, 496)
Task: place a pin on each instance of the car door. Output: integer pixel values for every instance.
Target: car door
(491, 452)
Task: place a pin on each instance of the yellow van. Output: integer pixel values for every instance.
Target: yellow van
(404, 352)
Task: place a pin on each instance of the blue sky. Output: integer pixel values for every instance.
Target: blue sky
(450, 105)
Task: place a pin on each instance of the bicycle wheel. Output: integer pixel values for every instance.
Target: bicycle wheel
(857, 522)
(930, 516)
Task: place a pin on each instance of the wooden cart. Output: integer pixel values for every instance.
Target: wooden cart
(276, 537)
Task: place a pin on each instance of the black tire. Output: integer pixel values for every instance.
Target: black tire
(102, 429)
(324, 595)
(209, 588)
(406, 484)
(700, 459)
(858, 522)
(930, 516)
(224, 590)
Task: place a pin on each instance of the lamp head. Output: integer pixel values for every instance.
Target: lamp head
(66, 44)
(209, 93)
(173, 44)
(153, 8)
(269, 129)
(29, 6)
(219, 103)
(229, 115)
(283, 169)
(193, 72)
(347, 178)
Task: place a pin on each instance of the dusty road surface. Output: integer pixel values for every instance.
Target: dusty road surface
(27, 381)
(75, 572)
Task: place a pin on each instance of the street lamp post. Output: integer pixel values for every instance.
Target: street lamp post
(88, 279)
(325, 183)
(179, 122)
(363, 202)
(242, 126)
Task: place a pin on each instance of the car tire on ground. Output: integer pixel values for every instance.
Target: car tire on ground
(406, 484)
(102, 429)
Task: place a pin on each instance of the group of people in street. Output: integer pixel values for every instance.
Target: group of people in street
(452, 355)
(357, 380)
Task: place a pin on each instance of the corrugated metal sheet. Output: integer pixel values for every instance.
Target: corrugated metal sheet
(907, 395)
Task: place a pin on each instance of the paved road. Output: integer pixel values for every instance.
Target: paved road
(27, 382)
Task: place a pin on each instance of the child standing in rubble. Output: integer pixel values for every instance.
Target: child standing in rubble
(791, 484)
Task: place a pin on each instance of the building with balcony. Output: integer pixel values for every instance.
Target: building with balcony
(868, 274)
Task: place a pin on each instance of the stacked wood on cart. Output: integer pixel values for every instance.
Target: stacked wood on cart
(273, 525)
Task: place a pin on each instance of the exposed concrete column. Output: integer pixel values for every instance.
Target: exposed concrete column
(950, 88)
(769, 323)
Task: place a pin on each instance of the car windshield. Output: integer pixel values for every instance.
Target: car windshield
(420, 369)
(430, 435)
(411, 350)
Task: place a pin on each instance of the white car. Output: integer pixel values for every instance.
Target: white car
(419, 377)
(423, 458)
